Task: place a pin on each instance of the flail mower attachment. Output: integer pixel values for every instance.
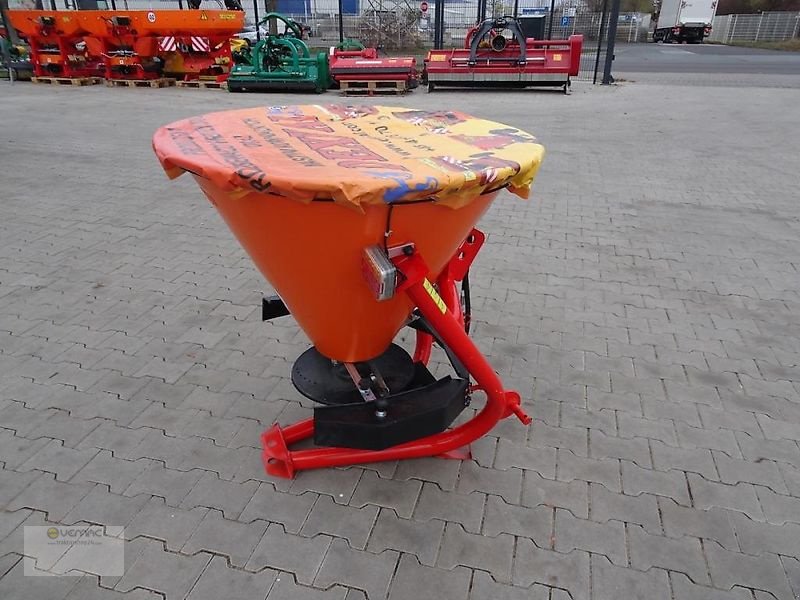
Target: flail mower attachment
(489, 58)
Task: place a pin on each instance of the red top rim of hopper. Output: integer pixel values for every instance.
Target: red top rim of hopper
(145, 22)
(351, 154)
(27, 22)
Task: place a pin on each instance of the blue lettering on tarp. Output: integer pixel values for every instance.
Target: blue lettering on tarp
(294, 111)
(403, 190)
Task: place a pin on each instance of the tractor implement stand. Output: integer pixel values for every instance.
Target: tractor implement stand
(442, 316)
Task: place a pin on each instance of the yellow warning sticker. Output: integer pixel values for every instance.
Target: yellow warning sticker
(556, 57)
(438, 57)
(203, 16)
(435, 295)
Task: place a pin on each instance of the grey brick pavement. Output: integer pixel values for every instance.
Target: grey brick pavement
(645, 304)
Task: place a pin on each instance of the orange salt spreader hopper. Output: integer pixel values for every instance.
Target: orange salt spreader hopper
(55, 39)
(362, 219)
(131, 41)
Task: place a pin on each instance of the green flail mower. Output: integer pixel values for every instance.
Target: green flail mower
(280, 62)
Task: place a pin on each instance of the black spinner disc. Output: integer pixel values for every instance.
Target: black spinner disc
(317, 377)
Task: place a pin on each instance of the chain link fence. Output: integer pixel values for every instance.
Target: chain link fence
(763, 27)
(593, 26)
(631, 27)
(397, 26)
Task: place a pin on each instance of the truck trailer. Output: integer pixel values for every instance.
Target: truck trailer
(685, 21)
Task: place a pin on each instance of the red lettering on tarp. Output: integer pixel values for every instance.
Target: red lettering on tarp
(335, 147)
(348, 152)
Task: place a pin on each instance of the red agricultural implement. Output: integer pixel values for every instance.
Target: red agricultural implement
(131, 43)
(56, 42)
(191, 56)
(351, 61)
(122, 42)
(491, 59)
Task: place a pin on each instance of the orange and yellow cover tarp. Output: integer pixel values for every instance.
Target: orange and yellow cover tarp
(351, 155)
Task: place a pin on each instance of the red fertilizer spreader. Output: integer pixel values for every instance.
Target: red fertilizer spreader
(56, 41)
(362, 219)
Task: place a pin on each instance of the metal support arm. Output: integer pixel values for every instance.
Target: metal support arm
(444, 319)
(498, 24)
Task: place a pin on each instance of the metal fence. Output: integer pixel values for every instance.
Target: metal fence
(764, 27)
(631, 27)
(406, 29)
(594, 28)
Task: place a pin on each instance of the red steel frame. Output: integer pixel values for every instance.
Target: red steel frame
(448, 322)
(123, 49)
(543, 57)
(53, 51)
(364, 65)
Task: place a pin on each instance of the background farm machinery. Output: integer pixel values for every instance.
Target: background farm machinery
(491, 58)
(280, 61)
(56, 41)
(190, 45)
(128, 44)
(351, 61)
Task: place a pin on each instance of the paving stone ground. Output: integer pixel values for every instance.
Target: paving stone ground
(644, 302)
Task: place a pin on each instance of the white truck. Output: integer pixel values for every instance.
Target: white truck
(684, 21)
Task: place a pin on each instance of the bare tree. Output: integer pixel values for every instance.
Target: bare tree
(499, 8)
